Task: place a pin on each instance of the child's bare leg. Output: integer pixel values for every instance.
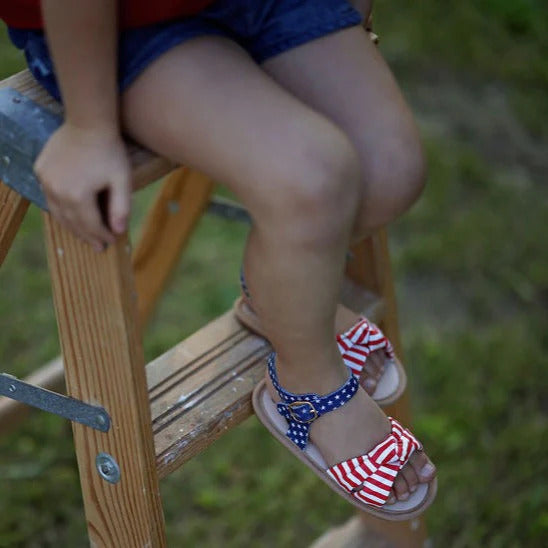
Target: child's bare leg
(206, 104)
(343, 76)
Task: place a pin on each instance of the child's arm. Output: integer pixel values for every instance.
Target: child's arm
(86, 154)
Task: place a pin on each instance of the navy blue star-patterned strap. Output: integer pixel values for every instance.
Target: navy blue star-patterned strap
(301, 410)
(243, 283)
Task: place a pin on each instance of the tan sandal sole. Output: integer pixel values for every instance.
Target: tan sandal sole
(391, 385)
(267, 413)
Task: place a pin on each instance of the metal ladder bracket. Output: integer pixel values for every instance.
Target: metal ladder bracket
(70, 408)
(25, 127)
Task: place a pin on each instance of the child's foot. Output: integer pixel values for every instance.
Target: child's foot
(374, 365)
(341, 435)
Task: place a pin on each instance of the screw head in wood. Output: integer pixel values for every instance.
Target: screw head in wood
(107, 467)
(101, 420)
(173, 207)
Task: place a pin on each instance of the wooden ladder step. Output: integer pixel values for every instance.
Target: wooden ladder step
(202, 386)
(206, 380)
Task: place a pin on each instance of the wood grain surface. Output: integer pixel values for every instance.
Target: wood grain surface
(95, 305)
(12, 212)
(178, 206)
(202, 386)
(370, 267)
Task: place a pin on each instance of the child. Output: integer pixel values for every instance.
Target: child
(289, 104)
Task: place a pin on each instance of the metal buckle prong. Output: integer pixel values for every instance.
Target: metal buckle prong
(299, 403)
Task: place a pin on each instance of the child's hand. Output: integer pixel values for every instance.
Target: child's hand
(74, 167)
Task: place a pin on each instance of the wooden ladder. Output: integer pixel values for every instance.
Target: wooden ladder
(140, 429)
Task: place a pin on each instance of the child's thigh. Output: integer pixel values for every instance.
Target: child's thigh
(207, 105)
(344, 77)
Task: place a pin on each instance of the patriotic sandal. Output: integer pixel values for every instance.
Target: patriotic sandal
(355, 346)
(364, 481)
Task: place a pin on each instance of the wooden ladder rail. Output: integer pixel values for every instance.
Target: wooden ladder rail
(95, 304)
(178, 207)
(12, 212)
(370, 267)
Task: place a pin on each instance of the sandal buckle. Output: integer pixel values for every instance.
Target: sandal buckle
(312, 410)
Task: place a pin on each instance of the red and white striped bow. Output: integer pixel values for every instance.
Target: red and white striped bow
(356, 344)
(370, 477)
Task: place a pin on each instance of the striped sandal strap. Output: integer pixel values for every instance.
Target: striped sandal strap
(356, 344)
(370, 478)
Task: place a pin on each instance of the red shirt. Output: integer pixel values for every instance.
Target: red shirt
(26, 14)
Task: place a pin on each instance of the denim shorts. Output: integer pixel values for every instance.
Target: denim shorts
(264, 28)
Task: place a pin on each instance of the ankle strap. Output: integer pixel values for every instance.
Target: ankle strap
(243, 283)
(301, 410)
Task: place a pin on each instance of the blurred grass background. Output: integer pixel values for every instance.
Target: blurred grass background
(471, 267)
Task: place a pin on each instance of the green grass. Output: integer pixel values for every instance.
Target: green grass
(471, 266)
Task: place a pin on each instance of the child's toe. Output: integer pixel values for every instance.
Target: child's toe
(400, 488)
(408, 472)
(377, 360)
(423, 467)
(369, 379)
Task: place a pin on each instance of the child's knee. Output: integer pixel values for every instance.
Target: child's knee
(408, 176)
(416, 169)
(393, 185)
(332, 181)
(318, 188)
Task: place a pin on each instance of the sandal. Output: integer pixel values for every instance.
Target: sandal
(355, 345)
(364, 481)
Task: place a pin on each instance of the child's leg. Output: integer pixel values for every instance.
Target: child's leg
(206, 104)
(343, 76)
